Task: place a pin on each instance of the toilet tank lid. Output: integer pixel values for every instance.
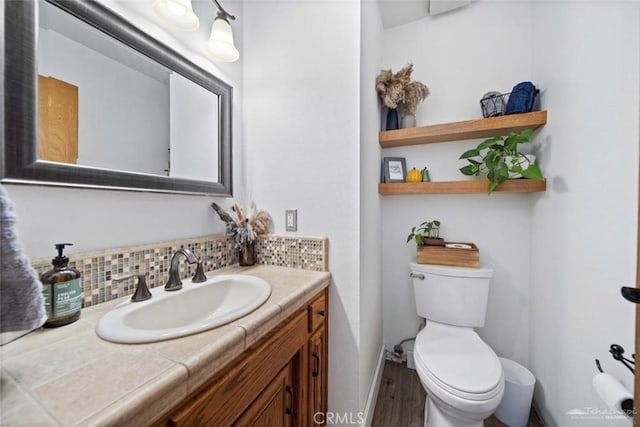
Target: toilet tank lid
(443, 270)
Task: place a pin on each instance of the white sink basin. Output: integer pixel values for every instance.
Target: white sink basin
(195, 308)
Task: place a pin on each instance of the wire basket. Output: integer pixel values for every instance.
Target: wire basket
(494, 104)
(520, 100)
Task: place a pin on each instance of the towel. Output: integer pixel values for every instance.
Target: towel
(522, 98)
(21, 301)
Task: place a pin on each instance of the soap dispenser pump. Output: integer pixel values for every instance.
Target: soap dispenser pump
(62, 289)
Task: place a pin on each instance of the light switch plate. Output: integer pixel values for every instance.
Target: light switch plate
(291, 220)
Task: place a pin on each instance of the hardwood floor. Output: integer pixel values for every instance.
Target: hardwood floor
(401, 401)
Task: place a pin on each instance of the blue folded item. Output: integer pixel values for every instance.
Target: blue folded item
(521, 98)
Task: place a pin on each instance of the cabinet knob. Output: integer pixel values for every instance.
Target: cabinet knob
(321, 313)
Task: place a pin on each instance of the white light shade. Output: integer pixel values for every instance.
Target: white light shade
(220, 45)
(178, 13)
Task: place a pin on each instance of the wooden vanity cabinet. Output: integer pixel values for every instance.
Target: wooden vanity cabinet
(317, 374)
(280, 381)
(316, 353)
(275, 405)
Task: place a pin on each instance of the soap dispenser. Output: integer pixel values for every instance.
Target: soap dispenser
(62, 289)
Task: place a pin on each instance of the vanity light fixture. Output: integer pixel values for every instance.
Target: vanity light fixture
(220, 45)
(178, 13)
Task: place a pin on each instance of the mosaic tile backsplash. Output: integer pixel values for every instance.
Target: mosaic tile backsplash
(98, 268)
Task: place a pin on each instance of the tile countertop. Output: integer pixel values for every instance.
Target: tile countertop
(68, 376)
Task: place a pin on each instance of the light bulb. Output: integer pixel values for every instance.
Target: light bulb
(220, 45)
(176, 8)
(178, 13)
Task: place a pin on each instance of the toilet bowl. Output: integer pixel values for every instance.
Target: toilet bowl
(461, 374)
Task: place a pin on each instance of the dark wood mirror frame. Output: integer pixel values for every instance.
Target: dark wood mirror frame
(19, 122)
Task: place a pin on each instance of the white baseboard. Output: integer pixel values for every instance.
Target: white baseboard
(370, 408)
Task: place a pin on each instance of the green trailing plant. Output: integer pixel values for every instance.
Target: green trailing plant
(499, 158)
(426, 230)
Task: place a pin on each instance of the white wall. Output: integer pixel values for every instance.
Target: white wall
(301, 129)
(586, 57)
(370, 214)
(123, 117)
(94, 219)
(460, 56)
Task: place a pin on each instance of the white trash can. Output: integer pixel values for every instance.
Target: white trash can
(518, 393)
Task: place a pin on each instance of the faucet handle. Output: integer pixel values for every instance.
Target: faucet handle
(199, 277)
(142, 292)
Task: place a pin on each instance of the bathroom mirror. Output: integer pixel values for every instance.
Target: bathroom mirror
(92, 101)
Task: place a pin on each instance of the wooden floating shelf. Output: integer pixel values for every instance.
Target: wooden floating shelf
(458, 131)
(461, 187)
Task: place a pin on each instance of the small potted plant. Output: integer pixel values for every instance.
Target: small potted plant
(426, 234)
(499, 159)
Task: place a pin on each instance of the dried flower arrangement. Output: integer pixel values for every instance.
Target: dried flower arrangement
(398, 90)
(414, 93)
(244, 228)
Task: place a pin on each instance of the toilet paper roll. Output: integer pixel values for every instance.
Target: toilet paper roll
(611, 391)
(457, 246)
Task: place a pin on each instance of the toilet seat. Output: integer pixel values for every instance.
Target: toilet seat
(457, 362)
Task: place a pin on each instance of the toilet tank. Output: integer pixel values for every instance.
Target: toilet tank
(451, 295)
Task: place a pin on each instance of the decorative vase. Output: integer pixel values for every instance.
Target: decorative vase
(247, 254)
(408, 121)
(392, 119)
(425, 175)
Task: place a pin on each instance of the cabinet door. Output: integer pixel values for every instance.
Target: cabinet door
(317, 380)
(274, 406)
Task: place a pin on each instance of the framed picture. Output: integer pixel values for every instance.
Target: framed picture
(394, 169)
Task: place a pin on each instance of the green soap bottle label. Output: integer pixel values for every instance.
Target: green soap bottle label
(67, 298)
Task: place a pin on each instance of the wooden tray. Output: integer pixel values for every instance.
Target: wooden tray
(456, 257)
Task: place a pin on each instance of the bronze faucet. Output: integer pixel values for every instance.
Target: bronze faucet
(174, 283)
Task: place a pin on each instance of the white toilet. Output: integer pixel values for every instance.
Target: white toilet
(461, 374)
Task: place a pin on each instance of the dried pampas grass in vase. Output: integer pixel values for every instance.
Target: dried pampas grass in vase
(390, 87)
(245, 229)
(414, 94)
(397, 90)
